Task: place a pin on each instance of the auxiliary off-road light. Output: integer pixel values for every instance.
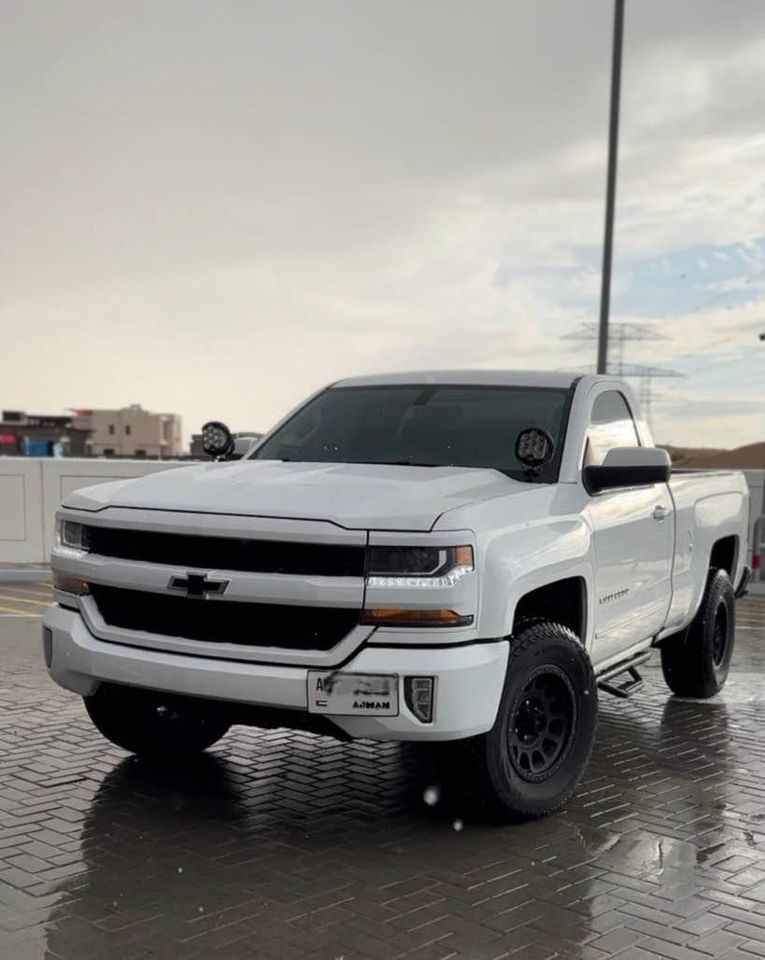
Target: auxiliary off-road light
(419, 696)
(402, 617)
(67, 583)
(217, 439)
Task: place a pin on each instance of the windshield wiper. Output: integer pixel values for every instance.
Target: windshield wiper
(403, 463)
(382, 463)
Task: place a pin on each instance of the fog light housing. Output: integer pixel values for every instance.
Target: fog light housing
(48, 646)
(419, 693)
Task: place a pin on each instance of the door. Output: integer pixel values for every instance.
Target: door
(633, 533)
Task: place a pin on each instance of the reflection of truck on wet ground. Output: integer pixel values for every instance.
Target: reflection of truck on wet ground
(463, 556)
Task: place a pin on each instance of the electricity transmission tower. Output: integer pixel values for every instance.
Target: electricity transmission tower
(621, 334)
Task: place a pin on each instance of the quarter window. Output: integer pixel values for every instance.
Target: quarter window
(611, 425)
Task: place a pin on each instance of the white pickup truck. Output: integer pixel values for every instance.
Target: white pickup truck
(460, 556)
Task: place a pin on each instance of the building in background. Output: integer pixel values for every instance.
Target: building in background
(131, 432)
(41, 435)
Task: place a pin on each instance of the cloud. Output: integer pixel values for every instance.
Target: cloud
(216, 209)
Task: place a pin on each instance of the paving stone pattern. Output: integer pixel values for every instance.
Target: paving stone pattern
(281, 845)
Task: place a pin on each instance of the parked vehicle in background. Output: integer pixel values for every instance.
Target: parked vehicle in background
(461, 556)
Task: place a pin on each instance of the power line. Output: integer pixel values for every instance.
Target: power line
(621, 334)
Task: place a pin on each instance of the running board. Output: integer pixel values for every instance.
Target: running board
(631, 684)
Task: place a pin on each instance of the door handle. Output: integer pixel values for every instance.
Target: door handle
(660, 513)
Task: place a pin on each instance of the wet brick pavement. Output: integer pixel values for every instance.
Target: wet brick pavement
(281, 845)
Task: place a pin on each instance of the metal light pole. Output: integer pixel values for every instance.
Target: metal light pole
(613, 147)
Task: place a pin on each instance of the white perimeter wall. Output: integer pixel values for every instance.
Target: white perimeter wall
(31, 489)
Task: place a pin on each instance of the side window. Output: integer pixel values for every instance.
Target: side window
(611, 425)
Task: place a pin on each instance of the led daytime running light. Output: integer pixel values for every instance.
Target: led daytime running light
(454, 563)
(447, 580)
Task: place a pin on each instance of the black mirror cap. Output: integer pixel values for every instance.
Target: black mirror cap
(632, 475)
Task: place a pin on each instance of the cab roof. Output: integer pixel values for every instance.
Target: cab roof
(515, 378)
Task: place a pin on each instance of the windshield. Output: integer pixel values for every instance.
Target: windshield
(434, 426)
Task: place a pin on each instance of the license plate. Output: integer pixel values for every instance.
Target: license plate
(352, 694)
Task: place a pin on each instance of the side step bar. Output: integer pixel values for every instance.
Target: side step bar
(743, 588)
(631, 684)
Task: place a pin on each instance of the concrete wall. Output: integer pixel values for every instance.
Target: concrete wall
(31, 490)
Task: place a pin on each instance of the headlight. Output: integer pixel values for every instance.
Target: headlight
(72, 535)
(427, 567)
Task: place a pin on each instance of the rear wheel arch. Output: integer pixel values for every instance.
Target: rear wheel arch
(724, 555)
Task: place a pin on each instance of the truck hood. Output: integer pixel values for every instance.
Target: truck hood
(355, 496)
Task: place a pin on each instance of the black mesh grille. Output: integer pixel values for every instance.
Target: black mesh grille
(225, 621)
(228, 553)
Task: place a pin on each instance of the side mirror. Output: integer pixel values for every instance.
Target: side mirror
(242, 446)
(217, 440)
(629, 467)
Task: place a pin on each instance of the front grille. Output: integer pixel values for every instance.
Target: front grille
(225, 621)
(228, 553)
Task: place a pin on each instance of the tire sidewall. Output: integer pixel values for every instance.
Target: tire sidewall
(555, 646)
(688, 659)
(719, 594)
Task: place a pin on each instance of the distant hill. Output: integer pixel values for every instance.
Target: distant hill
(749, 457)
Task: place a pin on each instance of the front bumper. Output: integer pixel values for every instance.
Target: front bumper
(469, 679)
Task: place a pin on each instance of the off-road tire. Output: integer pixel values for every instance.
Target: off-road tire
(696, 662)
(153, 724)
(504, 760)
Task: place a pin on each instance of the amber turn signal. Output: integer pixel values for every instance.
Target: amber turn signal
(462, 556)
(401, 617)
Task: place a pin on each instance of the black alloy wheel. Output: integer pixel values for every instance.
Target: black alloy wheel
(542, 726)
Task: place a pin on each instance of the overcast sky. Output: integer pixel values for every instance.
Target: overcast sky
(214, 208)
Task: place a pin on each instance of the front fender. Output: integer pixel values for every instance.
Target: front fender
(525, 557)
